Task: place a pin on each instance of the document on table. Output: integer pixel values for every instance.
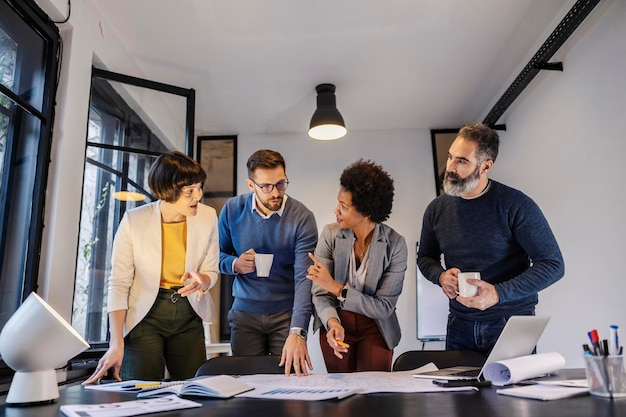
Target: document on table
(130, 386)
(574, 383)
(128, 408)
(329, 386)
(285, 392)
(544, 392)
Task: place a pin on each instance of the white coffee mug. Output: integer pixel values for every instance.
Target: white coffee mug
(263, 263)
(465, 289)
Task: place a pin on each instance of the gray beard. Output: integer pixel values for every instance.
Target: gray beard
(461, 186)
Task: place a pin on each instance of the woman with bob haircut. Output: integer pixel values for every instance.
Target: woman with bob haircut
(164, 261)
(358, 273)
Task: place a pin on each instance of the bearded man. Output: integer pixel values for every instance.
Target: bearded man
(481, 225)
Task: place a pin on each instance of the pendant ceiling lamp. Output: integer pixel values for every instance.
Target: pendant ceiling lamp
(327, 123)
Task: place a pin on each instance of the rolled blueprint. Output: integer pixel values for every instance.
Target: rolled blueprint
(514, 370)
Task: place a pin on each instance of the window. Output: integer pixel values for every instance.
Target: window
(29, 61)
(124, 138)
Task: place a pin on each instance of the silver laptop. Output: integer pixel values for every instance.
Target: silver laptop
(518, 338)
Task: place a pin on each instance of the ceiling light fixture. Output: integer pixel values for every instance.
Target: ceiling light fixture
(327, 123)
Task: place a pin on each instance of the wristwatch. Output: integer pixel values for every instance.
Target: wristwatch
(343, 294)
(300, 332)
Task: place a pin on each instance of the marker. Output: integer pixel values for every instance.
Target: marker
(587, 350)
(614, 340)
(605, 347)
(595, 341)
(342, 344)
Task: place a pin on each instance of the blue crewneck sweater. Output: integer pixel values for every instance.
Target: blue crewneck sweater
(503, 235)
(289, 237)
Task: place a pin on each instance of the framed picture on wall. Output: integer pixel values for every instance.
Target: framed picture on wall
(218, 156)
(441, 141)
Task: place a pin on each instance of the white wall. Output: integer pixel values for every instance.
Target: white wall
(564, 146)
(564, 138)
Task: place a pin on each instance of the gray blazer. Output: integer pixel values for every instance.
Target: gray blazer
(383, 280)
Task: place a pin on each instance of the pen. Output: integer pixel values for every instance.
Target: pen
(614, 340)
(587, 350)
(342, 344)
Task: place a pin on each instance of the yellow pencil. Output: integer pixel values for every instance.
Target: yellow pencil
(342, 344)
(147, 384)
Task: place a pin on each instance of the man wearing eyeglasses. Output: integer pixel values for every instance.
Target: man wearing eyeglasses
(270, 315)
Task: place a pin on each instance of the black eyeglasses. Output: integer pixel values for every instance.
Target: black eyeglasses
(268, 188)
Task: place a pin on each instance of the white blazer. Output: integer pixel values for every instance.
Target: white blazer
(136, 261)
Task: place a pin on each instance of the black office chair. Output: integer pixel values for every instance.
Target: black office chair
(441, 358)
(241, 365)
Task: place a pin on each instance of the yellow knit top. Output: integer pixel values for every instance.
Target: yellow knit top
(174, 247)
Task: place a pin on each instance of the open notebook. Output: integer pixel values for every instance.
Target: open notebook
(218, 386)
(518, 338)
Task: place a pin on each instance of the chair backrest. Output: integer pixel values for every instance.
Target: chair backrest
(241, 365)
(441, 358)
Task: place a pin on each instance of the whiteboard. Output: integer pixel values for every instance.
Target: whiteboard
(432, 310)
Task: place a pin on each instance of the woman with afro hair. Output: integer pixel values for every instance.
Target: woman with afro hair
(357, 273)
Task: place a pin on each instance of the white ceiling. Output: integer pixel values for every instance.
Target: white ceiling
(397, 64)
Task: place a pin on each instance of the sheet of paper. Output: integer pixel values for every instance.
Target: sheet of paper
(128, 408)
(543, 392)
(429, 367)
(124, 386)
(284, 392)
(363, 382)
(576, 383)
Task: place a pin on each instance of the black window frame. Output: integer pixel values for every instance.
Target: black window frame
(114, 100)
(43, 27)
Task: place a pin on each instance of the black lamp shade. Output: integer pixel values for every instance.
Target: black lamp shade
(326, 123)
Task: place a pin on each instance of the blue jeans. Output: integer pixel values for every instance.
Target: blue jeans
(479, 336)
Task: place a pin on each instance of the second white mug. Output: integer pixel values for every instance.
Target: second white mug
(465, 289)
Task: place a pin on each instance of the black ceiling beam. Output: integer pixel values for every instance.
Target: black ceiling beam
(539, 61)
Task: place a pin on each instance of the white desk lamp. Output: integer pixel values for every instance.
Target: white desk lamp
(34, 342)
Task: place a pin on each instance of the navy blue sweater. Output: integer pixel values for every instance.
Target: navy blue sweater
(503, 235)
(289, 237)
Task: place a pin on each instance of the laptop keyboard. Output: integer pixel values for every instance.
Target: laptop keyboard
(470, 373)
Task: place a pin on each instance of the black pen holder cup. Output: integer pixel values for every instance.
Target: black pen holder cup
(606, 376)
